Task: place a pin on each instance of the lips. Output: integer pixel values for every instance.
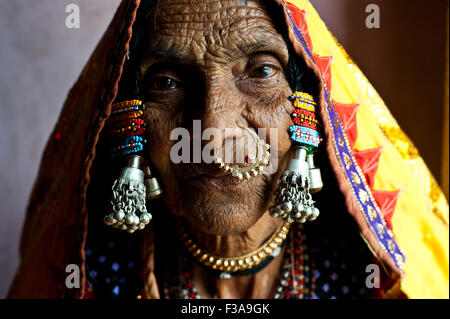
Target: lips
(215, 182)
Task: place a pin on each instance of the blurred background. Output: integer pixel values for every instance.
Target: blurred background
(406, 60)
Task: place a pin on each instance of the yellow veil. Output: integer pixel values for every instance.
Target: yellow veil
(413, 208)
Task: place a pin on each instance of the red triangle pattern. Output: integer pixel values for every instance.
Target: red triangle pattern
(368, 159)
(299, 19)
(386, 201)
(347, 113)
(324, 64)
(368, 162)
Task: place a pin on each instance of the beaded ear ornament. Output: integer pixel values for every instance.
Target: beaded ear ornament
(293, 200)
(135, 184)
(125, 127)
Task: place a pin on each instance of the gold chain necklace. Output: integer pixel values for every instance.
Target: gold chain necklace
(235, 264)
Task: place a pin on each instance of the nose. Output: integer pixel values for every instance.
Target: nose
(221, 114)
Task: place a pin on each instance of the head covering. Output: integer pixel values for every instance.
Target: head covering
(399, 204)
(400, 210)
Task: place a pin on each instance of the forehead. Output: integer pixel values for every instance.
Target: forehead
(205, 30)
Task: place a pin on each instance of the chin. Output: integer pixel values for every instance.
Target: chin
(222, 213)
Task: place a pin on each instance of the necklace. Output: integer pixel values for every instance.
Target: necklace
(228, 266)
(297, 279)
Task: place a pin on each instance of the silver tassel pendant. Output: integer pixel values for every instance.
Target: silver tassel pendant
(293, 201)
(129, 211)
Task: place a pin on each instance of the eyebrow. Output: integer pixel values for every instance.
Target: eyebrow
(170, 54)
(262, 43)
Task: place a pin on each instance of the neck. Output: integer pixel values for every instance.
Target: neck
(237, 244)
(261, 284)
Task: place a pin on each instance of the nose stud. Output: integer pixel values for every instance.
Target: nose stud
(256, 163)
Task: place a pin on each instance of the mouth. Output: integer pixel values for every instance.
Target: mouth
(215, 182)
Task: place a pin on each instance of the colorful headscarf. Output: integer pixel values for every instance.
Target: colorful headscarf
(402, 205)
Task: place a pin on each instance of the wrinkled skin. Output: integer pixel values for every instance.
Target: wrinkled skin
(223, 63)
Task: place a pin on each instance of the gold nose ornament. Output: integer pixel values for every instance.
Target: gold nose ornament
(256, 163)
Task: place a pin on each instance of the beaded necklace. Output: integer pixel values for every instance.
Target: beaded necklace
(297, 280)
(227, 267)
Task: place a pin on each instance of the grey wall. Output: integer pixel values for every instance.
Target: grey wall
(40, 59)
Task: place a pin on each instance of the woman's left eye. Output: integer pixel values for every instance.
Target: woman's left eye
(263, 72)
(164, 83)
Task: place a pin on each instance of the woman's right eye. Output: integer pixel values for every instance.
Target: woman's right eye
(163, 83)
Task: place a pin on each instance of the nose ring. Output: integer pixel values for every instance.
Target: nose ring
(256, 163)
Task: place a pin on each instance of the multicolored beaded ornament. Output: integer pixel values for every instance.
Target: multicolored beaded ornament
(293, 201)
(297, 280)
(135, 183)
(125, 127)
(305, 132)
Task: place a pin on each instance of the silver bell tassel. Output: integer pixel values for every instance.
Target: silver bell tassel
(153, 189)
(315, 178)
(293, 201)
(129, 211)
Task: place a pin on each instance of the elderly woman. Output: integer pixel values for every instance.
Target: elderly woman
(232, 212)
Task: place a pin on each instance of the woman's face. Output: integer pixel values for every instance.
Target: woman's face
(223, 63)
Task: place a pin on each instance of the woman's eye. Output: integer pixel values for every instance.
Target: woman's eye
(164, 83)
(263, 72)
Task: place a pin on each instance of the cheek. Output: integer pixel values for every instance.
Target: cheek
(272, 112)
(160, 124)
(159, 127)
